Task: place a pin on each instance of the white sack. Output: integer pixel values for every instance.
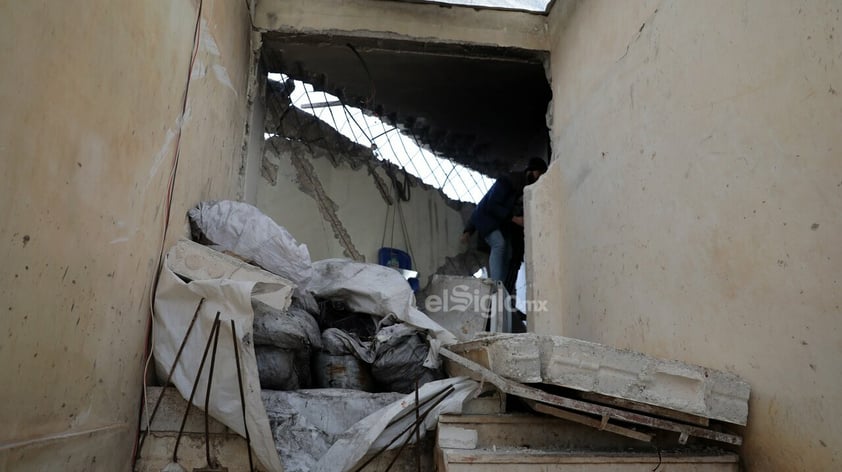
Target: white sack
(175, 303)
(244, 230)
(376, 290)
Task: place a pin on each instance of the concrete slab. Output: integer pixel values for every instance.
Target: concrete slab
(592, 367)
(693, 389)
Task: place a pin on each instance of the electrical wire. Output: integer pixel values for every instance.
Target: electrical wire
(166, 223)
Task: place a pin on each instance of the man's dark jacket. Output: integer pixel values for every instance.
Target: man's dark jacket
(497, 206)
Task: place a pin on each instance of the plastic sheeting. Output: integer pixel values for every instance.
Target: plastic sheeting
(244, 230)
(176, 302)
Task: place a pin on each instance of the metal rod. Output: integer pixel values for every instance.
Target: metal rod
(325, 104)
(417, 427)
(242, 395)
(446, 392)
(151, 417)
(417, 430)
(208, 391)
(193, 391)
(409, 412)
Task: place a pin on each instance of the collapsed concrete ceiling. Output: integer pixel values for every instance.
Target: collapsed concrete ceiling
(480, 106)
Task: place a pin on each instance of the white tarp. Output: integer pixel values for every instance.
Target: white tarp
(176, 302)
(376, 431)
(373, 289)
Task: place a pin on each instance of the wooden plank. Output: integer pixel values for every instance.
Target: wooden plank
(645, 408)
(509, 418)
(588, 421)
(579, 457)
(480, 373)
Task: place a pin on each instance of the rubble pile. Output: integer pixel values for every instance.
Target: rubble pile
(243, 316)
(246, 324)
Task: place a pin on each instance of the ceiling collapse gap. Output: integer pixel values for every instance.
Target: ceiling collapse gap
(364, 137)
(482, 107)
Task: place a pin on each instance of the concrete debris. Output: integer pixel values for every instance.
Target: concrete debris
(592, 367)
(305, 423)
(459, 365)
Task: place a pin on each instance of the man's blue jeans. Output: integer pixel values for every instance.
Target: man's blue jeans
(498, 258)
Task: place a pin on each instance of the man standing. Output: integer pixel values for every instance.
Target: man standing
(496, 211)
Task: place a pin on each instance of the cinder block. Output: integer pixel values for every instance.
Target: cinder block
(454, 437)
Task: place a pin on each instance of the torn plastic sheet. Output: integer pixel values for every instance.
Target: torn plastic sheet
(377, 290)
(176, 302)
(373, 433)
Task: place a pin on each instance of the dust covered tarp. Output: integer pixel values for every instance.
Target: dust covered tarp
(197, 281)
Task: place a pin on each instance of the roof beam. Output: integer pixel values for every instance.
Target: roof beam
(400, 20)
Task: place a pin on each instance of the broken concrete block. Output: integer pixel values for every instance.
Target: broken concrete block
(629, 375)
(513, 356)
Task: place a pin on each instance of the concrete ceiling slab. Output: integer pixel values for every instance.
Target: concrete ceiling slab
(481, 106)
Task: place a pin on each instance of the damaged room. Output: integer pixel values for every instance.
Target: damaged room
(418, 235)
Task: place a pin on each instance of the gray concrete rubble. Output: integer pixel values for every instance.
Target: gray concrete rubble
(305, 423)
(623, 374)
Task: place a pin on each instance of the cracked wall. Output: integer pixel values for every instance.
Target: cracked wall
(90, 119)
(692, 210)
(335, 203)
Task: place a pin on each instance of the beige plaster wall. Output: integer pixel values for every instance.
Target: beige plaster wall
(694, 202)
(90, 104)
(433, 226)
